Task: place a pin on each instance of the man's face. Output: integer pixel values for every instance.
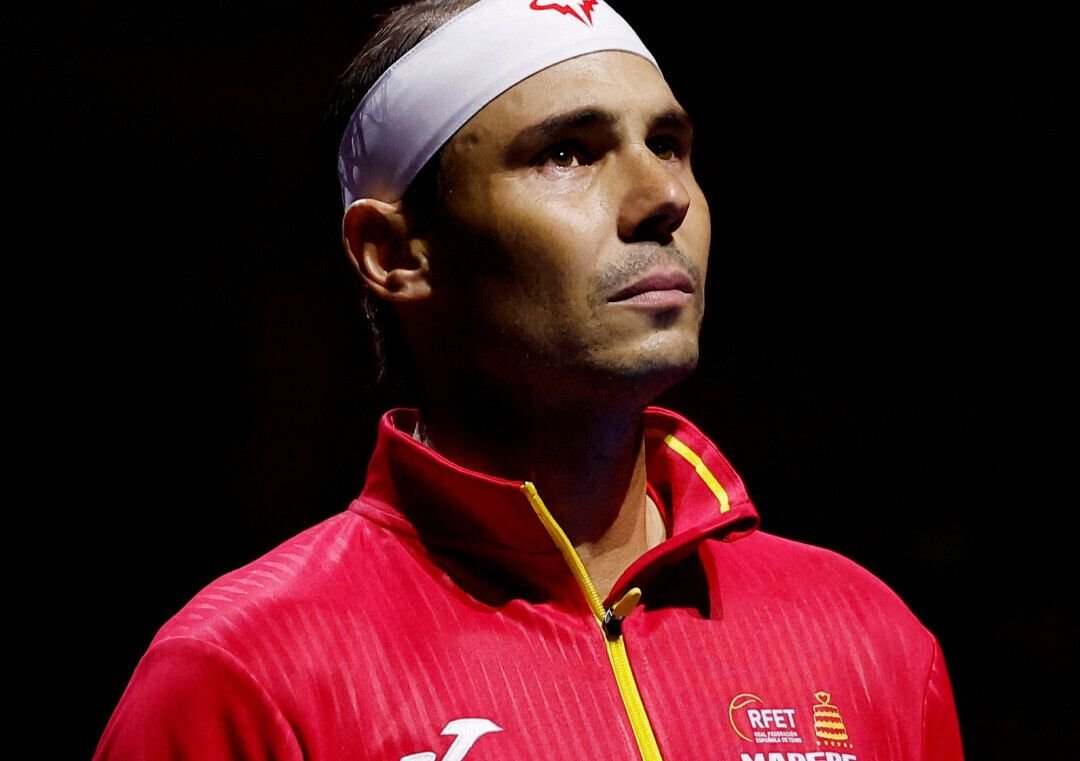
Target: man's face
(576, 239)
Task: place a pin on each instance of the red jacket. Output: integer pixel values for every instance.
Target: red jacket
(444, 616)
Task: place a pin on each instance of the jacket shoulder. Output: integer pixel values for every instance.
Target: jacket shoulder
(292, 585)
(189, 699)
(811, 578)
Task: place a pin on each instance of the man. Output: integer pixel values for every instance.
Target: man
(540, 564)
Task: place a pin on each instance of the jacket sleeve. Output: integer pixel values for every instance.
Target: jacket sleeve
(189, 699)
(941, 728)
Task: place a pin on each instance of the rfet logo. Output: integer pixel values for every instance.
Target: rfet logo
(755, 721)
(585, 16)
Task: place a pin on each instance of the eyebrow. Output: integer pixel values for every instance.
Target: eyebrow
(673, 119)
(557, 125)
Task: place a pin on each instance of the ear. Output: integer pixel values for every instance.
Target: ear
(377, 241)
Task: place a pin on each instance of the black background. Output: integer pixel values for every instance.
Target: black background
(884, 353)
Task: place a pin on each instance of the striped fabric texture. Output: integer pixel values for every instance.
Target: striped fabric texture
(437, 619)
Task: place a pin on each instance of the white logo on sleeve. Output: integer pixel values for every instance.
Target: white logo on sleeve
(466, 732)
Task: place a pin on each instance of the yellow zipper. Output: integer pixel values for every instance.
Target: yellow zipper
(616, 647)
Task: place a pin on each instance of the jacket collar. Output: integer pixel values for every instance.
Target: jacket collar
(413, 490)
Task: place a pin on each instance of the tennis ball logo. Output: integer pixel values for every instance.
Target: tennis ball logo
(736, 712)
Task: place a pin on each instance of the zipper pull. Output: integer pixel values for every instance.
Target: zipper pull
(613, 616)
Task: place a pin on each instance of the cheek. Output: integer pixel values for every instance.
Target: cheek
(526, 250)
(697, 230)
(512, 278)
(554, 249)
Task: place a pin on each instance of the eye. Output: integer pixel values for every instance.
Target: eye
(666, 147)
(564, 155)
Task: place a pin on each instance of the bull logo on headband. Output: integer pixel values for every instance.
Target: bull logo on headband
(585, 17)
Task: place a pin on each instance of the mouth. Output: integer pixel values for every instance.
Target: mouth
(664, 289)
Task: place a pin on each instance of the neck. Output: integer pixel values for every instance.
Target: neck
(588, 464)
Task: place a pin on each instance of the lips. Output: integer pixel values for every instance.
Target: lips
(656, 282)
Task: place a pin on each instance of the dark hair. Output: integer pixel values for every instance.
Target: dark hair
(396, 31)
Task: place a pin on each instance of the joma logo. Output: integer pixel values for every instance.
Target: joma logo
(466, 732)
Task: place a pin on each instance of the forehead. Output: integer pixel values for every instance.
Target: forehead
(624, 84)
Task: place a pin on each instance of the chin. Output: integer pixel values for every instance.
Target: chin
(653, 372)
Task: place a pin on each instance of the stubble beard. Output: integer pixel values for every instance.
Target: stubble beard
(650, 366)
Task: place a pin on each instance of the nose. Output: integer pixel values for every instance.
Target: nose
(655, 199)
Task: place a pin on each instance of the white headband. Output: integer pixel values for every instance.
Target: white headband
(430, 92)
